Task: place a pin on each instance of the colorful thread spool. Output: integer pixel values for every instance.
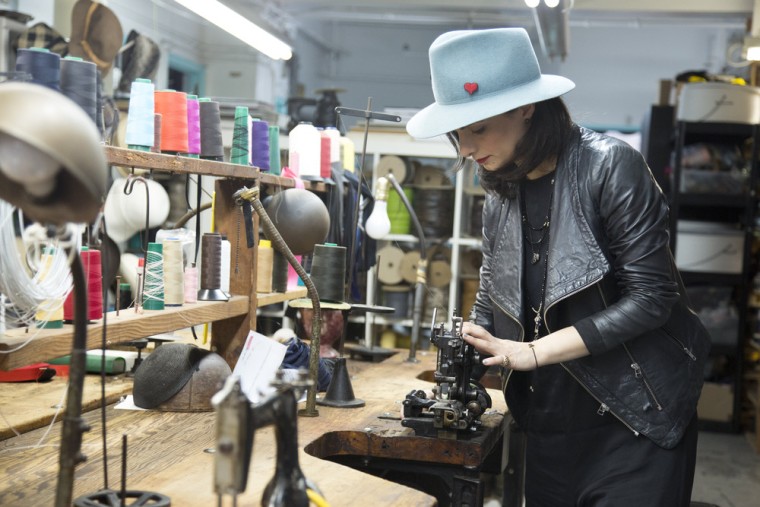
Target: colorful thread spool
(141, 122)
(211, 253)
(50, 312)
(153, 292)
(191, 284)
(348, 154)
(92, 270)
(174, 281)
(193, 126)
(260, 145)
(43, 66)
(264, 266)
(325, 169)
(275, 162)
(79, 81)
(239, 153)
(172, 106)
(212, 147)
(334, 135)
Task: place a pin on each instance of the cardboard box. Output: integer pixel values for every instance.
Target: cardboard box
(716, 402)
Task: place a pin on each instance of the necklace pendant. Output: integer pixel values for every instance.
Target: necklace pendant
(535, 258)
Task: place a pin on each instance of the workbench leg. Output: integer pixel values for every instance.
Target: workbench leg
(514, 472)
(466, 491)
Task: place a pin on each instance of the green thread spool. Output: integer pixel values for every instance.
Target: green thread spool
(240, 137)
(153, 294)
(397, 213)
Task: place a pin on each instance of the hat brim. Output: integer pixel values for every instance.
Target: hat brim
(437, 119)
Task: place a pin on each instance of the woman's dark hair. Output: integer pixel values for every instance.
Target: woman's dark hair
(547, 135)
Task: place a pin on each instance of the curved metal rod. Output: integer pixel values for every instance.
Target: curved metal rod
(252, 195)
(128, 187)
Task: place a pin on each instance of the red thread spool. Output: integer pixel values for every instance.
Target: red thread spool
(93, 272)
(324, 155)
(172, 106)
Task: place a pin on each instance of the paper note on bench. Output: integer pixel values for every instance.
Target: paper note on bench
(259, 361)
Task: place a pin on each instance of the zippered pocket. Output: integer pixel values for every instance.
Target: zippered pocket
(638, 373)
(679, 344)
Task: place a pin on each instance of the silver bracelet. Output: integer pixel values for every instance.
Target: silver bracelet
(532, 347)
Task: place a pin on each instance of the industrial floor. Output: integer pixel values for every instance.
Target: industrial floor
(727, 475)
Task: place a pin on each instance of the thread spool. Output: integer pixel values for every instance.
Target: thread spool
(348, 154)
(172, 106)
(334, 135)
(304, 151)
(260, 145)
(264, 266)
(280, 267)
(153, 292)
(211, 269)
(397, 297)
(141, 123)
(193, 126)
(328, 271)
(125, 295)
(79, 81)
(389, 264)
(401, 220)
(92, 270)
(157, 124)
(434, 210)
(191, 284)
(395, 165)
(275, 163)
(325, 169)
(43, 65)
(240, 138)
(50, 312)
(225, 260)
(174, 282)
(212, 147)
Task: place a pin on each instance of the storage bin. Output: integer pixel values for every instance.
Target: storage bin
(709, 247)
(719, 103)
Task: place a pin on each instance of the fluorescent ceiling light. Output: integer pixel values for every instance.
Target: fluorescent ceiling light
(239, 26)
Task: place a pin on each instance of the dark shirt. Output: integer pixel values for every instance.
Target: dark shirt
(547, 399)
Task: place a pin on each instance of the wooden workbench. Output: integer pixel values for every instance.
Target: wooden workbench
(168, 452)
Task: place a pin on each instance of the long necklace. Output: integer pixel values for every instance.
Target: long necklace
(535, 247)
(542, 230)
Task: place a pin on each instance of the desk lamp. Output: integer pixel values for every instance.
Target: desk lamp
(53, 168)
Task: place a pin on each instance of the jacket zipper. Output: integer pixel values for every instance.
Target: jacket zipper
(680, 344)
(603, 407)
(639, 374)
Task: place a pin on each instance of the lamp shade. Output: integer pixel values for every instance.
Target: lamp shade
(52, 165)
(300, 217)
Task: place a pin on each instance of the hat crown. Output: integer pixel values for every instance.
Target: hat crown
(466, 65)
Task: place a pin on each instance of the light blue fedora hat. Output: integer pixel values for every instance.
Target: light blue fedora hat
(477, 74)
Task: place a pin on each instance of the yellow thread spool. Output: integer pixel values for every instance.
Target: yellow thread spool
(264, 264)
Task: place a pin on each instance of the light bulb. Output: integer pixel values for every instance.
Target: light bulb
(378, 224)
(532, 3)
(551, 3)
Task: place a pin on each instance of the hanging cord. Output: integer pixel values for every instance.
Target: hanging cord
(250, 197)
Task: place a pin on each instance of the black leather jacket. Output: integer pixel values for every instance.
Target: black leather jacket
(612, 275)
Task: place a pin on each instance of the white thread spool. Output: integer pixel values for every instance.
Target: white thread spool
(334, 135)
(226, 255)
(174, 282)
(305, 143)
(191, 284)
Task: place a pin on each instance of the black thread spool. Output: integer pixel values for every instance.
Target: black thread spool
(42, 65)
(212, 147)
(328, 271)
(79, 82)
(279, 272)
(211, 268)
(435, 211)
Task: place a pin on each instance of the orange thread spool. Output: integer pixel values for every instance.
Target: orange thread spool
(172, 106)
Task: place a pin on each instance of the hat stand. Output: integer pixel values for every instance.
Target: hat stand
(340, 393)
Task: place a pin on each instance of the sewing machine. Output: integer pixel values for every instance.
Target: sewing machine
(458, 400)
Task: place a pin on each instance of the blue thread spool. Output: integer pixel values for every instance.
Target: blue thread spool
(141, 119)
(42, 65)
(79, 81)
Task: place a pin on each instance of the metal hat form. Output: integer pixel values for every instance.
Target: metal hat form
(300, 217)
(36, 121)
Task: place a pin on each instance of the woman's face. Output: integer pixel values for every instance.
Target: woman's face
(492, 142)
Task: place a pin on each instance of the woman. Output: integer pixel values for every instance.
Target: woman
(580, 301)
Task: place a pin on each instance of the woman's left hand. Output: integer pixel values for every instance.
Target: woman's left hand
(507, 353)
